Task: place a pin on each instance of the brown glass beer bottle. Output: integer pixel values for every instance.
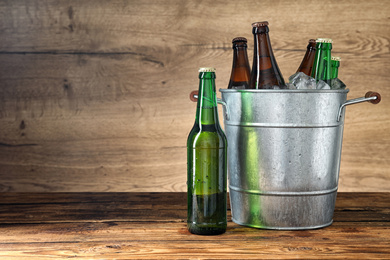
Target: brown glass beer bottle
(308, 60)
(239, 78)
(265, 71)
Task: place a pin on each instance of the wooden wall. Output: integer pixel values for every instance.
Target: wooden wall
(94, 94)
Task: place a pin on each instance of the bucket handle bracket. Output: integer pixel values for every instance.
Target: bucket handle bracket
(372, 97)
(194, 97)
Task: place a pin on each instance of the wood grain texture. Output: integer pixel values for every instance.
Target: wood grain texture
(94, 94)
(152, 226)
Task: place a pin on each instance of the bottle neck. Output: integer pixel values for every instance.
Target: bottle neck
(322, 69)
(265, 70)
(308, 60)
(206, 112)
(239, 77)
(335, 69)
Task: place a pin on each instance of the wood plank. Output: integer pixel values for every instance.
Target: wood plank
(55, 145)
(85, 237)
(142, 231)
(94, 94)
(174, 199)
(344, 199)
(56, 137)
(216, 250)
(139, 198)
(141, 237)
(119, 213)
(119, 25)
(171, 208)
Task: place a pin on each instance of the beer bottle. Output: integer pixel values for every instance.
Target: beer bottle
(322, 69)
(206, 164)
(265, 71)
(308, 60)
(335, 64)
(336, 83)
(239, 78)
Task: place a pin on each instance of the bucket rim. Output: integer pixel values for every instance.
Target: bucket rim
(284, 90)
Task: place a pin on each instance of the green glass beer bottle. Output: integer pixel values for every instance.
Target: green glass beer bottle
(265, 71)
(335, 64)
(322, 69)
(239, 78)
(336, 83)
(308, 60)
(206, 164)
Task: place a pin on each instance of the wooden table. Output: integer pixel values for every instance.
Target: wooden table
(152, 226)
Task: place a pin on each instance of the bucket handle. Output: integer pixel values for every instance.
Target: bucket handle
(194, 97)
(372, 97)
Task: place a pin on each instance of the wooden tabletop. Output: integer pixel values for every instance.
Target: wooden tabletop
(153, 226)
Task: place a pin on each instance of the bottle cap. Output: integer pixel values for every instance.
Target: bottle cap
(324, 40)
(312, 41)
(335, 58)
(239, 39)
(207, 69)
(260, 24)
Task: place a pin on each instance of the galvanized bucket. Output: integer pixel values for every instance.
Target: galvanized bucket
(284, 149)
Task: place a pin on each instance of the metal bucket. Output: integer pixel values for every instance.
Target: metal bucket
(284, 149)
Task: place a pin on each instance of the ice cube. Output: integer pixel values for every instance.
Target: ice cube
(290, 79)
(322, 85)
(302, 81)
(337, 84)
(290, 86)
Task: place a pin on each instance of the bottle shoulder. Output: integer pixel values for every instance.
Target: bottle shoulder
(206, 137)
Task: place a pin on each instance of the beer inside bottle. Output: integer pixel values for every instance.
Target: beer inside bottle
(239, 78)
(265, 71)
(308, 60)
(206, 164)
(322, 69)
